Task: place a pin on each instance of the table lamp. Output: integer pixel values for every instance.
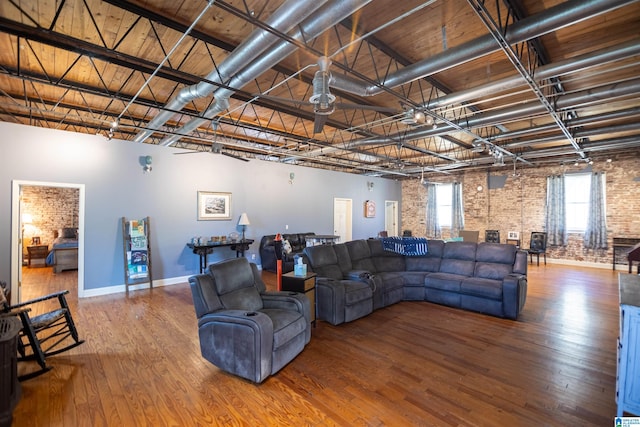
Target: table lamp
(244, 221)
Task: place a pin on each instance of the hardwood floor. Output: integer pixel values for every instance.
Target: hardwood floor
(414, 363)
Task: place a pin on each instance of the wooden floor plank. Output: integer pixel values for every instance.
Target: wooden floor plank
(414, 363)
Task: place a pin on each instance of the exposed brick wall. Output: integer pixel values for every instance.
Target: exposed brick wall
(51, 208)
(520, 204)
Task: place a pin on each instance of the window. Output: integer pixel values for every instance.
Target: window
(577, 189)
(444, 198)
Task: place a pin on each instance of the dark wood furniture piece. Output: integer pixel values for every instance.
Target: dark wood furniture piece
(305, 284)
(9, 386)
(538, 246)
(45, 334)
(205, 249)
(37, 252)
(492, 236)
(634, 255)
(515, 242)
(621, 244)
(627, 384)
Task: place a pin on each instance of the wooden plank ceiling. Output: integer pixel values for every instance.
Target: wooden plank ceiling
(429, 87)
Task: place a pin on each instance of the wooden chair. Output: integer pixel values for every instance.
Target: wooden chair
(43, 335)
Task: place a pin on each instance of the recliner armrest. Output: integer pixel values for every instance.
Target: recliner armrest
(514, 294)
(359, 275)
(238, 341)
(288, 301)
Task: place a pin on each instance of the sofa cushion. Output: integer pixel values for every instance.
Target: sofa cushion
(496, 253)
(459, 258)
(423, 263)
(444, 281)
(385, 260)
(236, 285)
(485, 288)
(355, 292)
(360, 255)
(490, 270)
(344, 261)
(287, 324)
(324, 261)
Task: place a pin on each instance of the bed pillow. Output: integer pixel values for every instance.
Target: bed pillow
(68, 233)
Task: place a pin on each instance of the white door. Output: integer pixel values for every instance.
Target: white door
(342, 222)
(391, 217)
(16, 231)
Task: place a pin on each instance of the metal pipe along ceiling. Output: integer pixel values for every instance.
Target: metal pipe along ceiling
(326, 17)
(578, 63)
(531, 27)
(286, 17)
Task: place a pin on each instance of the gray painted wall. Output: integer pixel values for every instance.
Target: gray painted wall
(116, 186)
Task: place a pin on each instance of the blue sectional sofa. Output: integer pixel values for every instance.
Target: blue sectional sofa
(357, 277)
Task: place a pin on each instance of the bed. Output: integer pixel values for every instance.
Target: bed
(64, 250)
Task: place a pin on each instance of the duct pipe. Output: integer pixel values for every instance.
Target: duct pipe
(569, 101)
(286, 17)
(570, 65)
(326, 17)
(549, 20)
(585, 133)
(573, 123)
(602, 93)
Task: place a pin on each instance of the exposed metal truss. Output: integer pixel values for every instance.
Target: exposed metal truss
(115, 71)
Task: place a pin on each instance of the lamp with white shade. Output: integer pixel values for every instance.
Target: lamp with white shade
(244, 221)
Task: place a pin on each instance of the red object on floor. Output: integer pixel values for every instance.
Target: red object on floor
(278, 247)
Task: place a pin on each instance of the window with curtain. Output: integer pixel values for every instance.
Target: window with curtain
(444, 203)
(577, 203)
(577, 188)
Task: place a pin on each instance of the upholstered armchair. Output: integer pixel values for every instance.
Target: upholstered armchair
(243, 328)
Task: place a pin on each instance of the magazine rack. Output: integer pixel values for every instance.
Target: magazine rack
(137, 252)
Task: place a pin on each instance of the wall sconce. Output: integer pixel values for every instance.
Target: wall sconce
(370, 185)
(147, 160)
(291, 177)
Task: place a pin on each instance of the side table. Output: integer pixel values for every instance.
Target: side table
(305, 284)
(37, 252)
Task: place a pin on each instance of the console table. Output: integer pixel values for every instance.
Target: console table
(627, 384)
(620, 243)
(205, 249)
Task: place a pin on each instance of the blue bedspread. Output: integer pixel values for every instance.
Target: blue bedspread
(60, 243)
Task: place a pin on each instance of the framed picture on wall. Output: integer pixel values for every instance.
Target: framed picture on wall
(369, 209)
(214, 206)
(513, 235)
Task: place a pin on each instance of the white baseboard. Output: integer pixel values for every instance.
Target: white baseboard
(108, 290)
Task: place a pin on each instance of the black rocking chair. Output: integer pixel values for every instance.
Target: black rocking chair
(42, 335)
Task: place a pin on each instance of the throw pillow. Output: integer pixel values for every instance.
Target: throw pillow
(286, 247)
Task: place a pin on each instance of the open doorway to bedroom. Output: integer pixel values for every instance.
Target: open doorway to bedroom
(49, 221)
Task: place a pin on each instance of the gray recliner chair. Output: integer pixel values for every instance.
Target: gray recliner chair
(340, 298)
(244, 329)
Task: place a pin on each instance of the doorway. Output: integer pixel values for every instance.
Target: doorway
(20, 231)
(391, 217)
(342, 219)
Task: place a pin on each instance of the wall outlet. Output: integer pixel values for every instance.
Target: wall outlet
(253, 256)
(286, 227)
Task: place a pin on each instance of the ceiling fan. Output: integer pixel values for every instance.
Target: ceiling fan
(323, 101)
(216, 147)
